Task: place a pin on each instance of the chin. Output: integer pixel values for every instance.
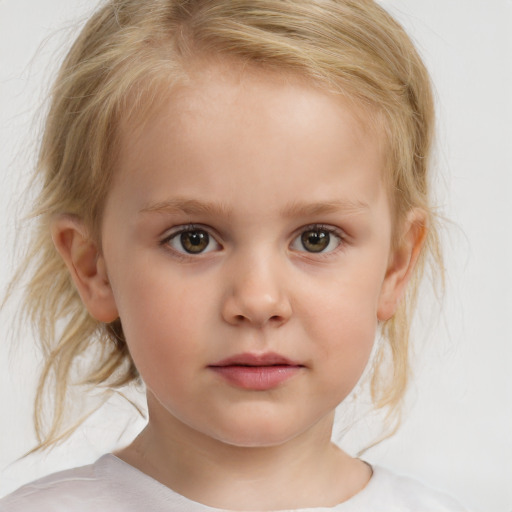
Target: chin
(255, 433)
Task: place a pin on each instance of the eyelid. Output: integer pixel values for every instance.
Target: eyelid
(332, 230)
(176, 231)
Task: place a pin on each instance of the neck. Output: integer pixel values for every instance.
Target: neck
(306, 471)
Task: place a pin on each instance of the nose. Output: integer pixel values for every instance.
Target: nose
(256, 295)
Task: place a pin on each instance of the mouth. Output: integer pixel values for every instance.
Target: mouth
(256, 372)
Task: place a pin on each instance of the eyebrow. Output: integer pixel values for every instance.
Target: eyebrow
(189, 206)
(298, 209)
(324, 207)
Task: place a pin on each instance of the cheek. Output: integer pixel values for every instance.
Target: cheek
(342, 322)
(349, 334)
(162, 318)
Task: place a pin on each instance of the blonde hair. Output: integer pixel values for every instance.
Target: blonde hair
(113, 71)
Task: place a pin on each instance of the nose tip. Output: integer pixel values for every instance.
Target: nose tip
(256, 303)
(259, 314)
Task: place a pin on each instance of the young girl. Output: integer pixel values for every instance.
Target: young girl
(234, 200)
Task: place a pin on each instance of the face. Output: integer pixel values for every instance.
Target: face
(246, 239)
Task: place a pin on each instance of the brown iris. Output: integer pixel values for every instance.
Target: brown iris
(195, 241)
(315, 240)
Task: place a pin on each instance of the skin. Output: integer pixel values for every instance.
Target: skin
(254, 160)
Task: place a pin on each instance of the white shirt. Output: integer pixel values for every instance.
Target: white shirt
(112, 485)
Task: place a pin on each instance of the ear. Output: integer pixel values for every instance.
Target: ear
(402, 262)
(86, 266)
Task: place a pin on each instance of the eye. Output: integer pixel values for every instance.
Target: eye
(192, 240)
(317, 239)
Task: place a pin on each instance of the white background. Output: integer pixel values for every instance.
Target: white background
(457, 434)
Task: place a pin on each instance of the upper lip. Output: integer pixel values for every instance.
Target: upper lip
(248, 359)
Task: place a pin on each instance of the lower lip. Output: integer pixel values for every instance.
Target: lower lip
(256, 378)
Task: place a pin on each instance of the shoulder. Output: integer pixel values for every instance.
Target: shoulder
(107, 485)
(84, 489)
(66, 488)
(398, 493)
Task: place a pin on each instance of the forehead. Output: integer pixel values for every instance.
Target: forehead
(206, 84)
(225, 122)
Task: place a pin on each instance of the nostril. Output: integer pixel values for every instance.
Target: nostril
(257, 309)
(272, 319)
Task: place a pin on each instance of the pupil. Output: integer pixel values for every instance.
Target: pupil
(195, 238)
(315, 241)
(195, 241)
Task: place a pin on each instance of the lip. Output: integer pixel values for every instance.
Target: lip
(257, 372)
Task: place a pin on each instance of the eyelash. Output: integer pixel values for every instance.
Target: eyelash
(330, 230)
(189, 228)
(297, 238)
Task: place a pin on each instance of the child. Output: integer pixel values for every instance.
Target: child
(234, 199)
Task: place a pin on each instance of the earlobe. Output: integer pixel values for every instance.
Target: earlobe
(402, 262)
(86, 266)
